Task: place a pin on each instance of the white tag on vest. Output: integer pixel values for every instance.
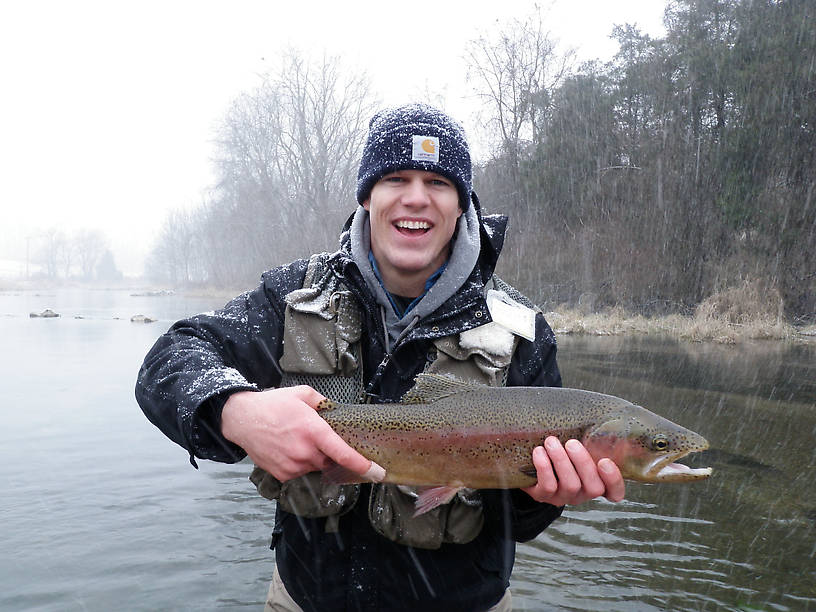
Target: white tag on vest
(511, 315)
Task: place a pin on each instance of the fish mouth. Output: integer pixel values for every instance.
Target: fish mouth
(666, 469)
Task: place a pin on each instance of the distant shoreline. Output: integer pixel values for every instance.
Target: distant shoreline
(703, 326)
(138, 287)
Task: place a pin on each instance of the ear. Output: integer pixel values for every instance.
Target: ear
(367, 204)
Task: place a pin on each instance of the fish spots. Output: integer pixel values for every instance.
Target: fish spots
(484, 436)
(325, 404)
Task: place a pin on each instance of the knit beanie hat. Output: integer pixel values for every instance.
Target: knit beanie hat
(415, 137)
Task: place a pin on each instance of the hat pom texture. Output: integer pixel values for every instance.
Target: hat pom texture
(391, 146)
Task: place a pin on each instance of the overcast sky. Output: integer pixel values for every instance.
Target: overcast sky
(108, 107)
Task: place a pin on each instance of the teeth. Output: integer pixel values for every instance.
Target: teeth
(414, 224)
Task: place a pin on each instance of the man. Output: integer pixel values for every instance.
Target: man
(407, 292)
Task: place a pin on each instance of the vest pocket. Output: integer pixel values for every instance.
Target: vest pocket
(391, 514)
(481, 354)
(320, 330)
(307, 496)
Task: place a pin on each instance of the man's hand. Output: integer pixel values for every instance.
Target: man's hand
(568, 475)
(282, 433)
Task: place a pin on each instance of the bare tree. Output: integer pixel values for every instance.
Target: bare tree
(65, 255)
(176, 255)
(322, 117)
(514, 72)
(89, 246)
(52, 251)
(288, 162)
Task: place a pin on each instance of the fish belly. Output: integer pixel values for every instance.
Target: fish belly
(479, 460)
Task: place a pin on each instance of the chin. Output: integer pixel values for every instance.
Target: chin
(412, 265)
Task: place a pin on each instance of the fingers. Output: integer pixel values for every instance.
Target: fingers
(548, 488)
(281, 432)
(567, 474)
(334, 447)
(308, 395)
(547, 480)
(587, 471)
(613, 481)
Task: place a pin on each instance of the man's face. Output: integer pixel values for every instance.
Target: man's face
(413, 215)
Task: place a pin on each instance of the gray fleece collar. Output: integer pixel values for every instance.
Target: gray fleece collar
(464, 255)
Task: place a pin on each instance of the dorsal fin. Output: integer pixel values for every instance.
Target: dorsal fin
(429, 388)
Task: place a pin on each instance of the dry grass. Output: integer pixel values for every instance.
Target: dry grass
(748, 312)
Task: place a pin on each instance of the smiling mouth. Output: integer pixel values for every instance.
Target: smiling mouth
(412, 228)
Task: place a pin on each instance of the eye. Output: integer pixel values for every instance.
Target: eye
(660, 443)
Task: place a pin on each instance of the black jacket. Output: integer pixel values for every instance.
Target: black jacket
(192, 369)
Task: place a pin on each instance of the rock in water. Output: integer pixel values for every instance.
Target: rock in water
(45, 314)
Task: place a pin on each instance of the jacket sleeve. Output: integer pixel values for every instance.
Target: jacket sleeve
(193, 368)
(534, 365)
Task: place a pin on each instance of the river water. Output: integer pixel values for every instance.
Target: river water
(99, 511)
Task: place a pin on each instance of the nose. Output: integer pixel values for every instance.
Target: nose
(416, 192)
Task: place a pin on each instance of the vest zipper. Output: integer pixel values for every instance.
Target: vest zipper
(378, 373)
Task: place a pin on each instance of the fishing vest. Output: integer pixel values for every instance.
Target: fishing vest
(322, 349)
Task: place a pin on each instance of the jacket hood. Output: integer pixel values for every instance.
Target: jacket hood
(492, 230)
(476, 249)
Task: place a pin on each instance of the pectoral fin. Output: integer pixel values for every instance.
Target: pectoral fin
(430, 498)
(337, 474)
(529, 470)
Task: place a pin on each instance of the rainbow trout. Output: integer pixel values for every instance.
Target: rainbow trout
(445, 435)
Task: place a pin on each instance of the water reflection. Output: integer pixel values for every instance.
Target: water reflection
(611, 558)
(743, 539)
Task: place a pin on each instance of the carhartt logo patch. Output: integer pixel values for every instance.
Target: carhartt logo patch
(426, 148)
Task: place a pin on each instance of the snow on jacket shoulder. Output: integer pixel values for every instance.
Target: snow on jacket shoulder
(193, 367)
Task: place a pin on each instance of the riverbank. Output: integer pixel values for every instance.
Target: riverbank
(695, 328)
(749, 311)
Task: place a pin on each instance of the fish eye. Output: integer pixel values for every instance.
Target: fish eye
(660, 443)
